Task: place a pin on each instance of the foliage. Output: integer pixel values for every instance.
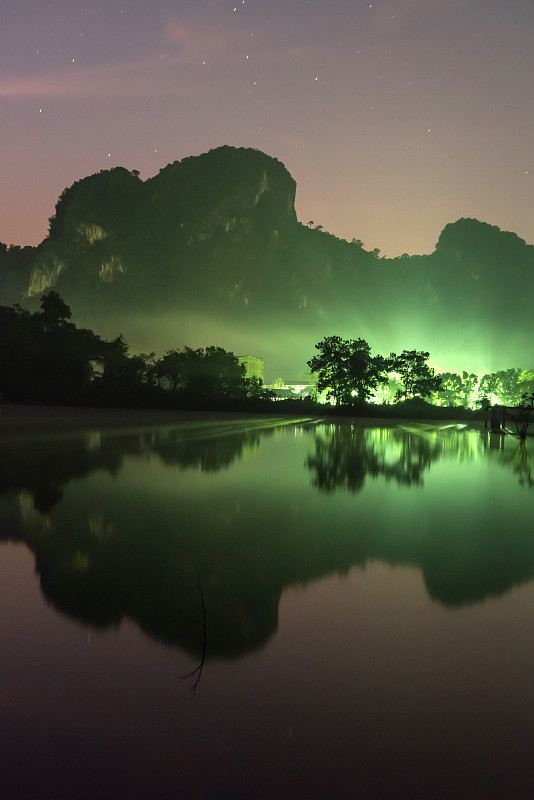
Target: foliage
(346, 369)
(526, 381)
(348, 372)
(212, 372)
(43, 356)
(255, 389)
(504, 386)
(418, 378)
(522, 414)
(217, 234)
(455, 389)
(54, 311)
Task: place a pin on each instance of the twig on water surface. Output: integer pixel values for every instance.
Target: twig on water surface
(198, 669)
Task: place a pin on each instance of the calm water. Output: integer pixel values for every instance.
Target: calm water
(266, 609)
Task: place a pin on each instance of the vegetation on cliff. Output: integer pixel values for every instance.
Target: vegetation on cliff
(210, 249)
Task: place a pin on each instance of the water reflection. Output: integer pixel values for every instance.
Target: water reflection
(344, 457)
(132, 524)
(518, 459)
(42, 467)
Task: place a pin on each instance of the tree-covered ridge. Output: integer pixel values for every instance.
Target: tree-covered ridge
(215, 238)
(114, 235)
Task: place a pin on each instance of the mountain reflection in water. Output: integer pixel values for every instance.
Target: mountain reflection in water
(129, 524)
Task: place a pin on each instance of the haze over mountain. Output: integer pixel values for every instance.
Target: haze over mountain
(210, 251)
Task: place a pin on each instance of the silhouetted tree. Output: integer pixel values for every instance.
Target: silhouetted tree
(522, 415)
(210, 373)
(43, 356)
(254, 388)
(346, 369)
(54, 311)
(418, 378)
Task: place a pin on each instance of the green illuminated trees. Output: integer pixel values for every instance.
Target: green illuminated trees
(418, 378)
(505, 386)
(457, 390)
(468, 386)
(451, 384)
(511, 388)
(330, 367)
(346, 369)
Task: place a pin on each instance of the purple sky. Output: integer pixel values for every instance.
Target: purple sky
(393, 116)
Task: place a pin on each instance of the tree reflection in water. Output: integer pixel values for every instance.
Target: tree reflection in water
(109, 547)
(518, 459)
(43, 467)
(345, 456)
(522, 465)
(111, 559)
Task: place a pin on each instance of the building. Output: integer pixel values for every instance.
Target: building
(292, 391)
(254, 366)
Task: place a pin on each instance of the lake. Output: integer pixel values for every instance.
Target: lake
(225, 607)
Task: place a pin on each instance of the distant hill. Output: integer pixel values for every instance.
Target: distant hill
(210, 251)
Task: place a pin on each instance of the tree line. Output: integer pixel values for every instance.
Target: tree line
(347, 373)
(46, 358)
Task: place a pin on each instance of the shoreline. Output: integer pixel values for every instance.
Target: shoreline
(28, 419)
(15, 418)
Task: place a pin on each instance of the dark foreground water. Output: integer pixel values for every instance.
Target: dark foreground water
(266, 609)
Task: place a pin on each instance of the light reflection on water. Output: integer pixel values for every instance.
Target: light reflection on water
(367, 591)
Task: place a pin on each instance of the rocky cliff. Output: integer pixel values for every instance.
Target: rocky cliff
(210, 251)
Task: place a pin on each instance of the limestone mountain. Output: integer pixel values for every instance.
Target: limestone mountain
(210, 251)
(205, 231)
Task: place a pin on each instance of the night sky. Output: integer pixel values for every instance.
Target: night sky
(395, 117)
